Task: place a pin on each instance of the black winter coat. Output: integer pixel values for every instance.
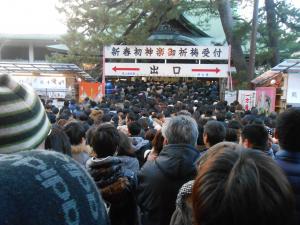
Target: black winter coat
(161, 179)
(290, 164)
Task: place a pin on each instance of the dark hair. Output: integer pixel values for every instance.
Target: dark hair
(158, 142)
(220, 116)
(48, 107)
(63, 116)
(215, 132)
(106, 117)
(66, 103)
(55, 110)
(257, 135)
(234, 124)
(104, 140)
(288, 129)
(75, 132)
(125, 147)
(150, 134)
(240, 186)
(144, 122)
(134, 128)
(131, 116)
(231, 135)
(58, 141)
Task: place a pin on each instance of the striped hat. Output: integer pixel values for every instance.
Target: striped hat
(23, 121)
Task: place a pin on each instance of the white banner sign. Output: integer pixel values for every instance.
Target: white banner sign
(166, 70)
(247, 99)
(167, 52)
(230, 96)
(52, 87)
(40, 82)
(293, 92)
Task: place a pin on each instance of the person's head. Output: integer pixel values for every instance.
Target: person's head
(235, 125)
(66, 103)
(134, 128)
(96, 116)
(158, 142)
(180, 130)
(104, 140)
(220, 116)
(150, 134)
(130, 117)
(240, 186)
(231, 135)
(214, 132)
(254, 111)
(161, 117)
(125, 147)
(255, 136)
(58, 141)
(75, 132)
(50, 188)
(184, 113)
(55, 110)
(48, 108)
(24, 124)
(144, 122)
(288, 129)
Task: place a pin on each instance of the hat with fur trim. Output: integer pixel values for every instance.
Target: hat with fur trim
(24, 124)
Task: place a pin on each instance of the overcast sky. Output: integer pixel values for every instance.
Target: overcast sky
(37, 17)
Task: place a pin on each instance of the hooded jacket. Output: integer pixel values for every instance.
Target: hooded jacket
(140, 145)
(183, 214)
(117, 184)
(81, 153)
(161, 179)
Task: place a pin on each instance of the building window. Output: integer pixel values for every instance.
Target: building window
(15, 53)
(40, 53)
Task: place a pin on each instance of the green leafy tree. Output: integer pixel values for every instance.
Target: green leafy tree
(95, 23)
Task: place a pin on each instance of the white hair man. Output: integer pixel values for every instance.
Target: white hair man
(160, 180)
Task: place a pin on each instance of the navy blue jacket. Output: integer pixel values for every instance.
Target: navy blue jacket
(161, 179)
(290, 164)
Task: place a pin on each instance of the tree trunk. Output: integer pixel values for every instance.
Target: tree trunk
(272, 31)
(253, 42)
(235, 41)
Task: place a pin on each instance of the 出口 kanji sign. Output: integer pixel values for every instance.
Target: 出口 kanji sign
(166, 70)
(209, 61)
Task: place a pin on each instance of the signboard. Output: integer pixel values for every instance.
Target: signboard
(230, 96)
(90, 89)
(247, 99)
(166, 70)
(265, 99)
(200, 54)
(166, 52)
(52, 87)
(293, 92)
(41, 82)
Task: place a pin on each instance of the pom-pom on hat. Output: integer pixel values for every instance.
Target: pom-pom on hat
(47, 188)
(23, 122)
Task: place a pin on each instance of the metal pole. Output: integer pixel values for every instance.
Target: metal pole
(103, 71)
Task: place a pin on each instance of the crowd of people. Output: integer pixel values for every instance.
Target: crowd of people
(148, 154)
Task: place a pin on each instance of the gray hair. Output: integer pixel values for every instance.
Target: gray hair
(180, 130)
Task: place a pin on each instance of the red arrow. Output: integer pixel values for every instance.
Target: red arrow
(128, 69)
(217, 70)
